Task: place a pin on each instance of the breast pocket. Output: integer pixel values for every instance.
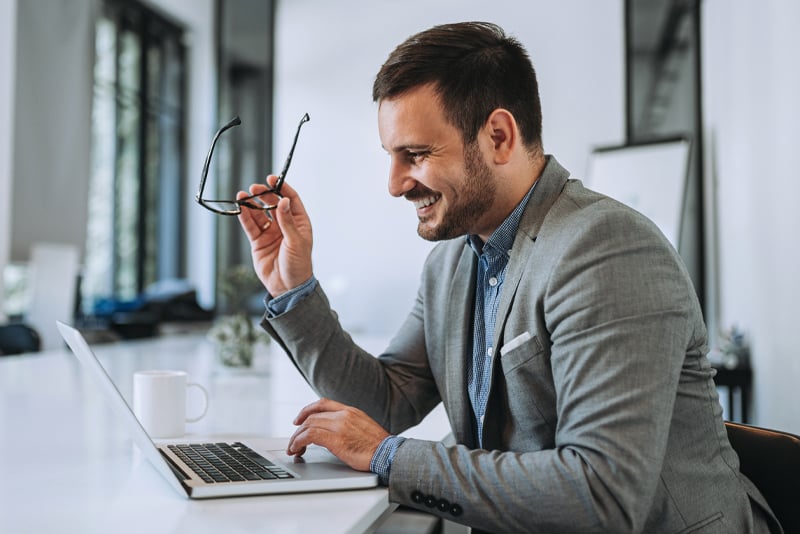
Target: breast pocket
(529, 389)
(519, 350)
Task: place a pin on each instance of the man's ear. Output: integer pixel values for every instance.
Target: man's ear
(502, 130)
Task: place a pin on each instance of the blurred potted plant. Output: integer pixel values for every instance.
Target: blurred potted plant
(235, 333)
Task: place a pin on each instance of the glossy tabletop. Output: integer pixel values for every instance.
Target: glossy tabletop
(66, 465)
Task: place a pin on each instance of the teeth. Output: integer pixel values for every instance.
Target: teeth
(424, 202)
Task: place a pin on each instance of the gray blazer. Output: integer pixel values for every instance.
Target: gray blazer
(602, 414)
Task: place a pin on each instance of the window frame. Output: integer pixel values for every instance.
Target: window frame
(158, 248)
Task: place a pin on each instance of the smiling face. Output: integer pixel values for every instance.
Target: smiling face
(451, 186)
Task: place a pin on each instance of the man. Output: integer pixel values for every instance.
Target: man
(557, 326)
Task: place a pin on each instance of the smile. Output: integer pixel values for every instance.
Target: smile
(425, 202)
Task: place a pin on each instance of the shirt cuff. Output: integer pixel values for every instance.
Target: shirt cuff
(282, 304)
(381, 463)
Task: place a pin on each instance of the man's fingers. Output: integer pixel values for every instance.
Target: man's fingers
(297, 445)
(252, 221)
(314, 421)
(287, 191)
(307, 435)
(321, 405)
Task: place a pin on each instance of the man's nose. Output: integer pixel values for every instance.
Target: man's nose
(400, 181)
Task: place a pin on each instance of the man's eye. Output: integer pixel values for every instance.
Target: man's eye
(416, 157)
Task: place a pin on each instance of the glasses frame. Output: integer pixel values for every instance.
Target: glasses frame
(251, 201)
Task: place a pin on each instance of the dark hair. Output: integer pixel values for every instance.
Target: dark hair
(475, 69)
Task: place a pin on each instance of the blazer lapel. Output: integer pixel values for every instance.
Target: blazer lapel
(548, 188)
(523, 251)
(459, 346)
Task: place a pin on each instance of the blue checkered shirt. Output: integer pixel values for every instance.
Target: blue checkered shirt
(492, 266)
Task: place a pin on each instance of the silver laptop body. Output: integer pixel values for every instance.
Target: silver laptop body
(318, 470)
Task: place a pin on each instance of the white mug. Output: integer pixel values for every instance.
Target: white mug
(159, 402)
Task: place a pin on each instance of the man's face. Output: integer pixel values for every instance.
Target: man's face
(451, 188)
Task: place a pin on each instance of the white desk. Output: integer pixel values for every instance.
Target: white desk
(67, 466)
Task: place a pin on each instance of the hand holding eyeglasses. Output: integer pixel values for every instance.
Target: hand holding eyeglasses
(280, 241)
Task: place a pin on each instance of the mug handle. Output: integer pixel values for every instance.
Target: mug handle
(205, 402)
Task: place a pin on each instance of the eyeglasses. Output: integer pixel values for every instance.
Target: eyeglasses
(254, 202)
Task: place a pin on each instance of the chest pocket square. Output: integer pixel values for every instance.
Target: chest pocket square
(514, 343)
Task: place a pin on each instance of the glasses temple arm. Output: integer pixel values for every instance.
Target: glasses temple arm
(288, 162)
(233, 122)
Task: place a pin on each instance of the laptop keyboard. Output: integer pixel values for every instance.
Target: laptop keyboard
(227, 462)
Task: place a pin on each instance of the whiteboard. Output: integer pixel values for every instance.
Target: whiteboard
(649, 177)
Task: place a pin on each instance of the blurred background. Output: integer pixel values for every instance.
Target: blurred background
(109, 106)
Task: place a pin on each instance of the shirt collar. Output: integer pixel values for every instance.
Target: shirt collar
(502, 239)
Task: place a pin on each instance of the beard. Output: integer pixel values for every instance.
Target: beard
(476, 193)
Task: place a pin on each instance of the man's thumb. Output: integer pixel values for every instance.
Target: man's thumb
(285, 218)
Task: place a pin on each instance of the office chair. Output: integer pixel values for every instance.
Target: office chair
(18, 338)
(771, 460)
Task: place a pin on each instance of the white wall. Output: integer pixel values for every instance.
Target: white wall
(751, 85)
(8, 51)
(367, 253)
(52, 130)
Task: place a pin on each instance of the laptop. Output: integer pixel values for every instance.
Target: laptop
(197, 469)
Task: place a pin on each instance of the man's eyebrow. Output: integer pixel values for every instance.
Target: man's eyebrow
(403, 148)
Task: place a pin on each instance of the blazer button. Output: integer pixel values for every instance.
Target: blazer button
(443, 505)
(430, 501)
(417, 496)
(456, 510)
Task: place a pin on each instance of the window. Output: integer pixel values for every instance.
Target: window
(137, 174)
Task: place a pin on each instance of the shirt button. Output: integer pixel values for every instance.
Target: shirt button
(482, 417)
(490, 351)
(493, 281)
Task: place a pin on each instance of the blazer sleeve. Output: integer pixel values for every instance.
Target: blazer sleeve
(396, 389)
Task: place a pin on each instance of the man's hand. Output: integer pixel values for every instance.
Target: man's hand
(280, 243)
(350, 434)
